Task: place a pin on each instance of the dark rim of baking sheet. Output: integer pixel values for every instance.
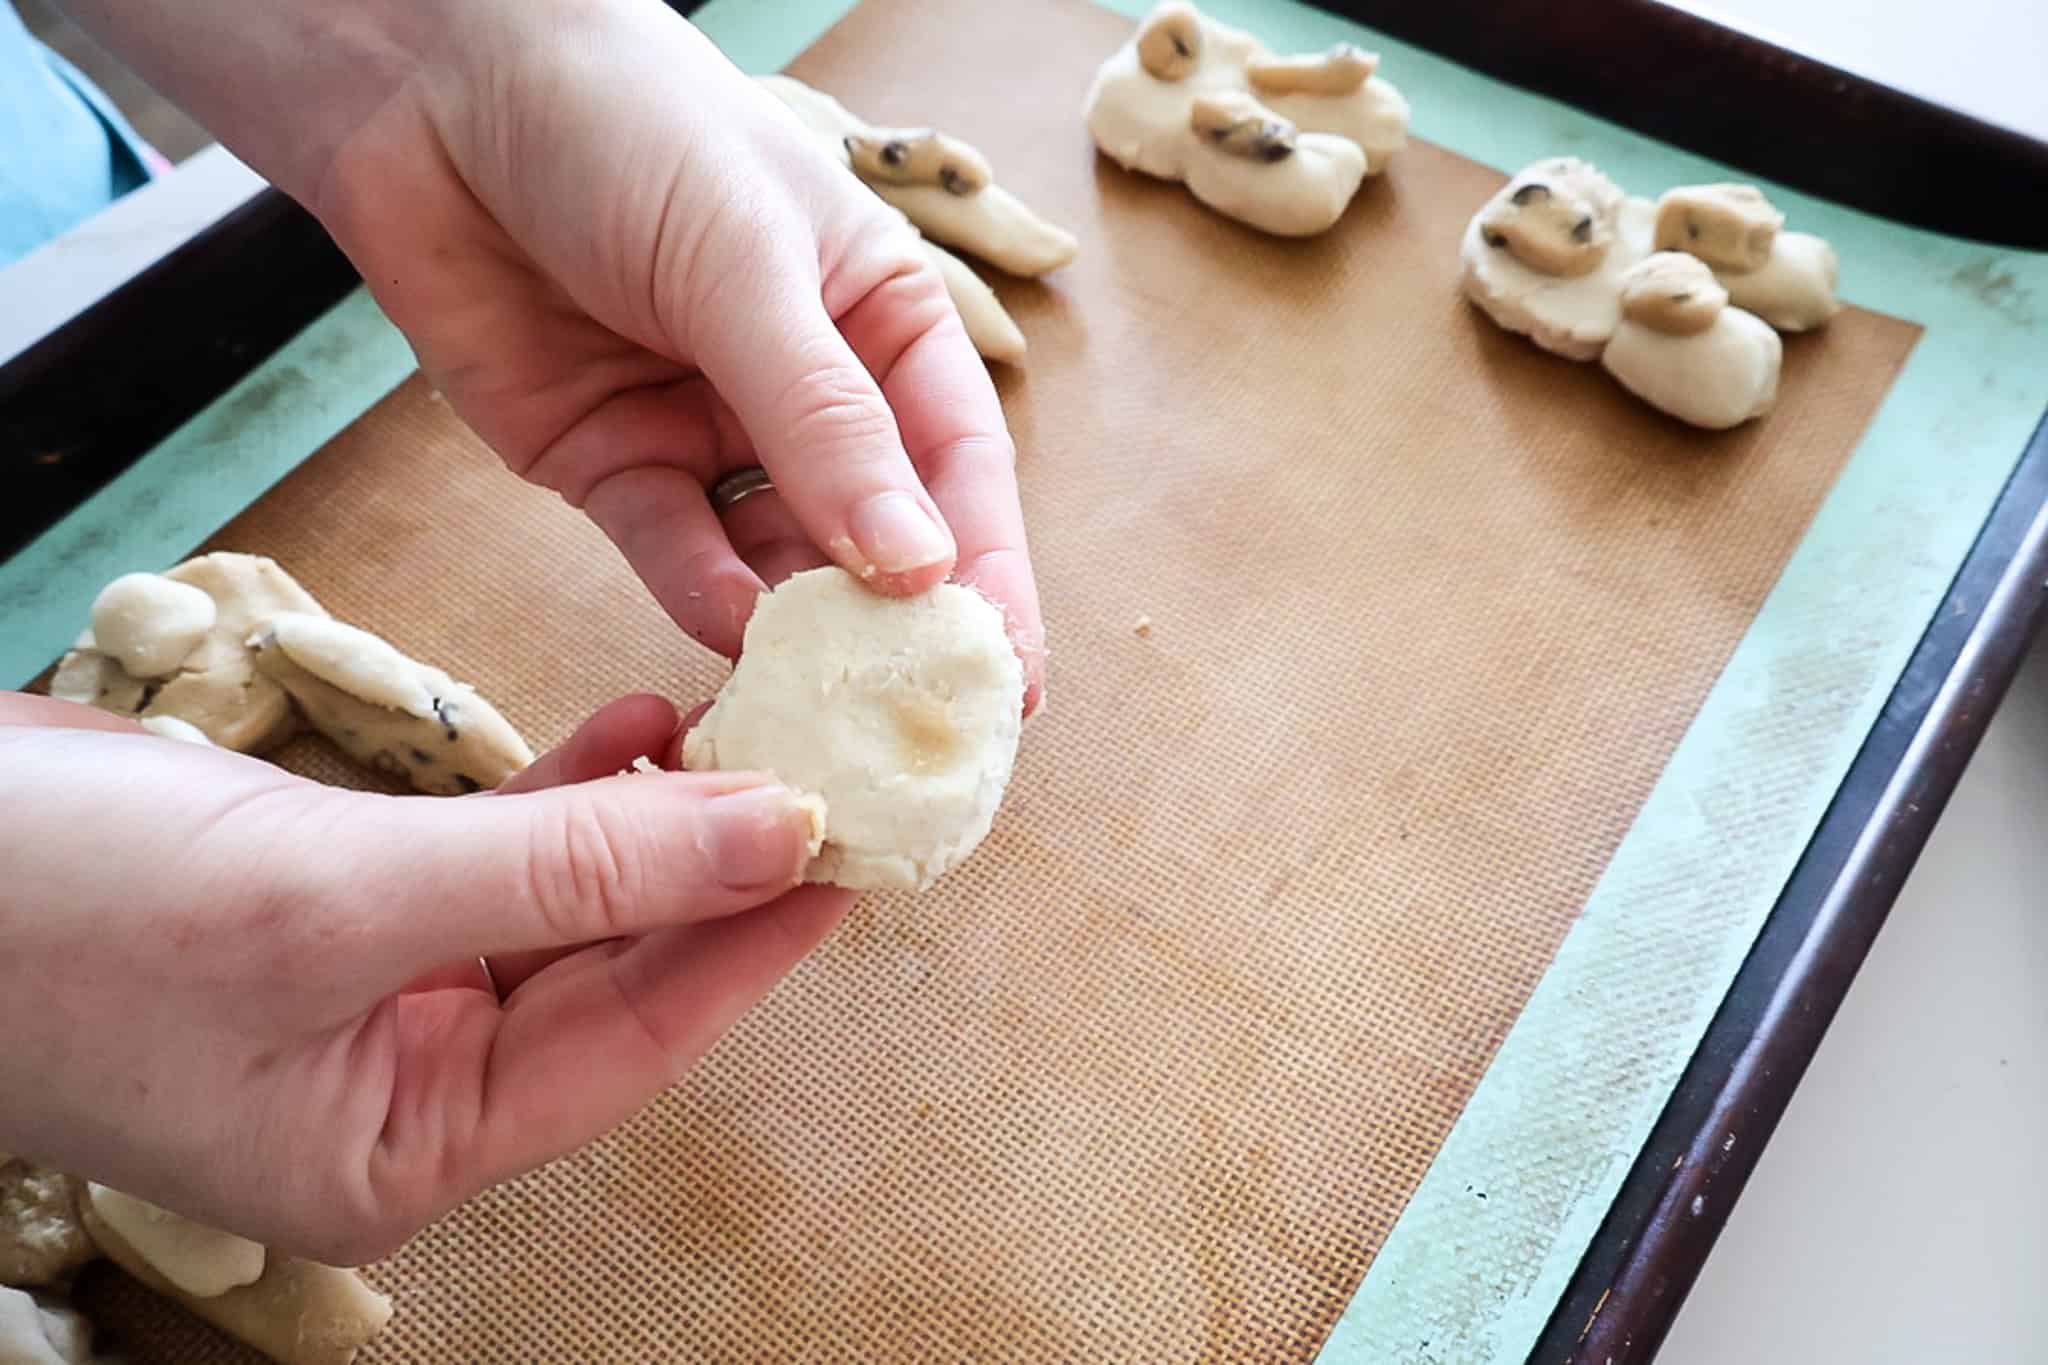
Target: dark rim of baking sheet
(87, 401)
(1628, 1287)
(80, 406)
(1736, 99)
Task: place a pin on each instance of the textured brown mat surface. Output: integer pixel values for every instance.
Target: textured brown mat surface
(1151, 1077)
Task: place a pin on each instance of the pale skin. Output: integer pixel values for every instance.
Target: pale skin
(255, 1000)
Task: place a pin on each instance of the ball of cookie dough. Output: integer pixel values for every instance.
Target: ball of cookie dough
(902, 713)
(150, 623)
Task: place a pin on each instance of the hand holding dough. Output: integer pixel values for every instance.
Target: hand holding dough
(902, 713)
(1280, 143)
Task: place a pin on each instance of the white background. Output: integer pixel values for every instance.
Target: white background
(1985, 57)
(1901, 1212)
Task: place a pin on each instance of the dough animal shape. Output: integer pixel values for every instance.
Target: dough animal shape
(982, 219)
(1794, 291)
(91, 678)
(214, 687)
(1280, 143)
(902, 714)
(1545, 256)
(386, 711)
(149, 623)
(1680, 347)
(1786, 278)
(989, 325)
(296, 1312)
(946, 190)
(197, 1260)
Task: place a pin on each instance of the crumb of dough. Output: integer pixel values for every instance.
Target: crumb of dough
(1143, 629)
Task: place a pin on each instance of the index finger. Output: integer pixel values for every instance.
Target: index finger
(952, 427)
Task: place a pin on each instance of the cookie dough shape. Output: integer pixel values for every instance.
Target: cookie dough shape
(197, 1260)
(1278, 142)
(215, 687)
(945, 189)
(1681, 348)
(990, 327)
(296, 1312)
(1545, 256)
(1786, 278)
(149, 623)
(1794, 291)
(386, 711)
(903, 714)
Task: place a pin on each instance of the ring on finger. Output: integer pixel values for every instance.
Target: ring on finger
(737, 486)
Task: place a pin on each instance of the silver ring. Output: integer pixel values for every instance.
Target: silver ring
(729, 491)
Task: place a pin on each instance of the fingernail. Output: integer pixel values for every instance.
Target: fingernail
(758, 837)
(896, 535)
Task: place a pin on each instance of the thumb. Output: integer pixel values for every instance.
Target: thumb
(817, 419)
(599, 860)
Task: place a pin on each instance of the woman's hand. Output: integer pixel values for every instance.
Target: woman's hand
(632, 272)
(257, 1001)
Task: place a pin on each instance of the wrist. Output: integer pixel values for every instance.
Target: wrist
(284, 84)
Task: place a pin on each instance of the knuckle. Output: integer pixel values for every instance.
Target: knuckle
(833, 411)
(582, 878)
(917, 298)
(984, 456)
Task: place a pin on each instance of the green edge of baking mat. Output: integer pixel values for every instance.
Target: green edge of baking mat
(186, 488)
(1483, 1250)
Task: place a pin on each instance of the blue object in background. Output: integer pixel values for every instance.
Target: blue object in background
(65, 151)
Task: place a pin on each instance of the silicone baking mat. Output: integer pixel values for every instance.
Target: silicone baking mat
(1154, 1076)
